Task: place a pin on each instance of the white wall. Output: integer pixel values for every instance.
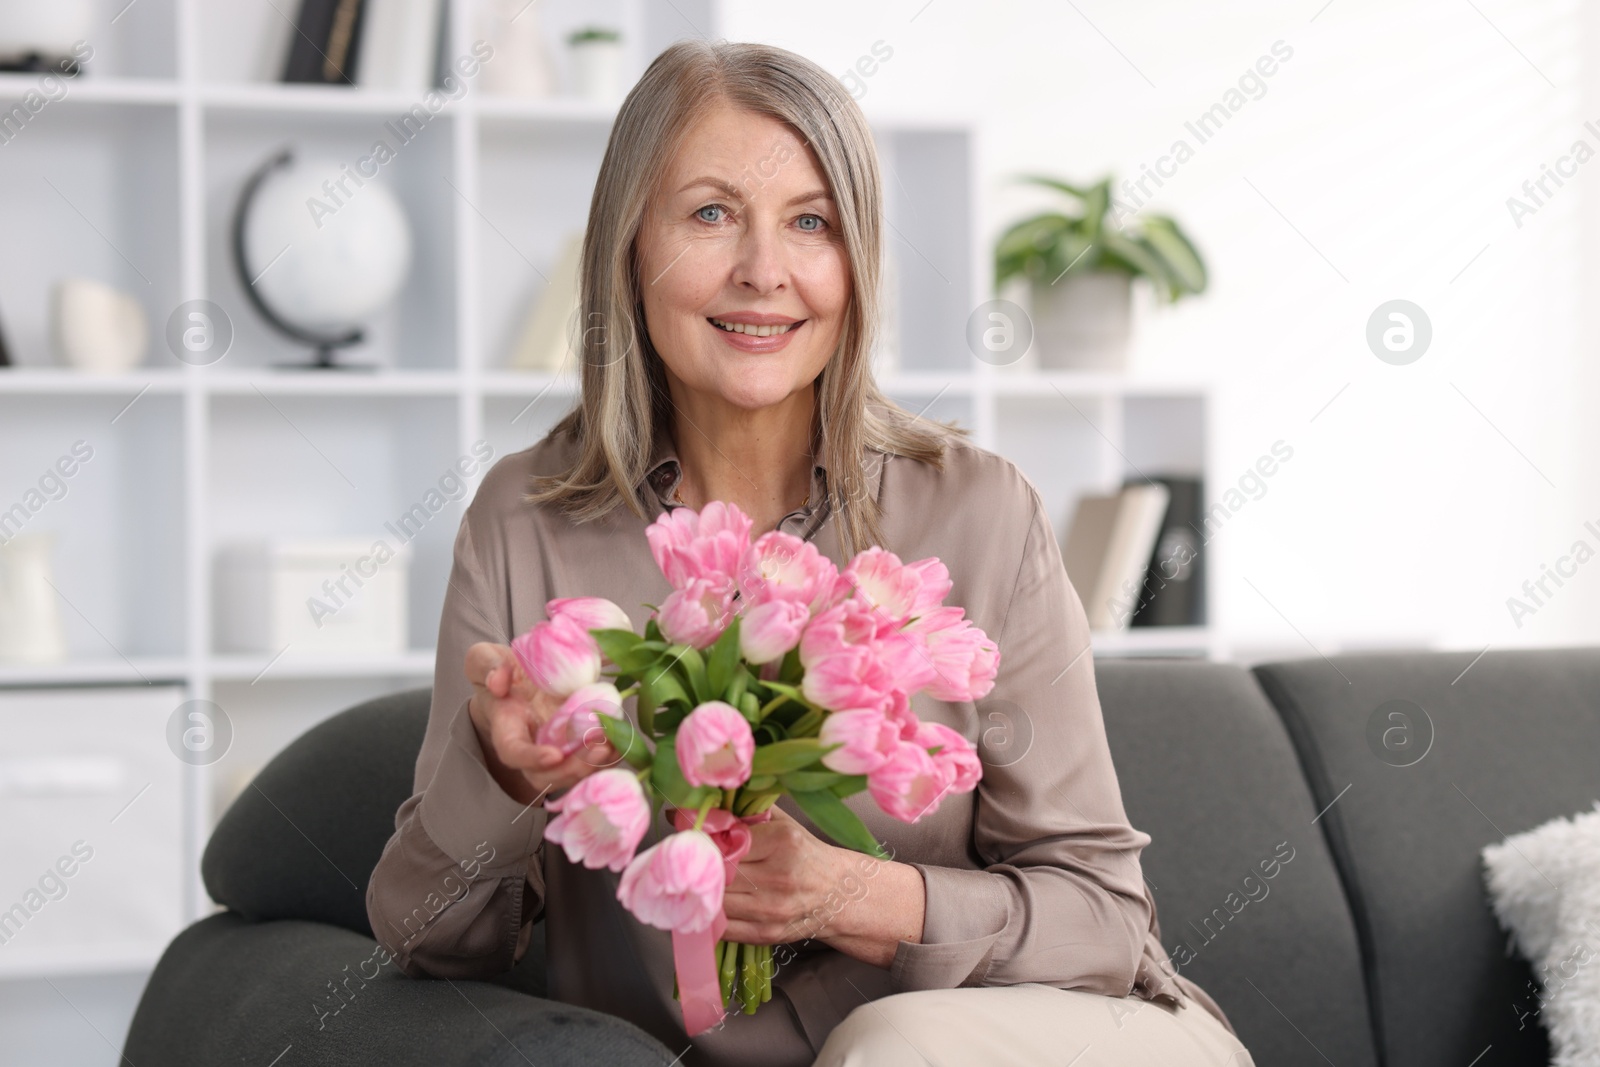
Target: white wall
(1422, 497)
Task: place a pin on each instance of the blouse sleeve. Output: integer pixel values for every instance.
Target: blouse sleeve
(1061, 900)
(461, 882)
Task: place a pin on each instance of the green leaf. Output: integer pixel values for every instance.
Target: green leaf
(809, 781)
(723, 658)
(759, 783)
(693, 669)
(626, 740)
(645, 707)
(750, 707)
(664, 684)
(791, 670)
(667, 776)
(1055, 183)
(849, 785)
(1177, 252)
(781, 757)
(740, 685)
(621, 648)
(652, 632)
(839, 822)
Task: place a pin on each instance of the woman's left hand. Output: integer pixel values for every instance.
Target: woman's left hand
(782, 889)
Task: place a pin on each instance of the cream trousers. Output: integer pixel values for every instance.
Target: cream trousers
(1028, 1025)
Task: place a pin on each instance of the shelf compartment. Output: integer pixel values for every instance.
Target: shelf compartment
(93, 797)
(119, 551)
(89, 190)
(346, 467)
(519, 235)
(416, 331)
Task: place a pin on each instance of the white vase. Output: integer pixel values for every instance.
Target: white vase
(96, 327)
(521, 64)
(597, 70)
(30, 618)
(1084, 321)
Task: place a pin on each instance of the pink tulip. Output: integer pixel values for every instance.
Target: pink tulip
(935, 585)
(853, 677)
(713, 544)
(558, 655)
(590, 612)
(910, 784)
(697, 613)
(770, 629)
(883, 581)
(850, 623)
(601, 820)
(869, 739)
(576, 724)
(676, 884)
(966, 661)
(956, 756)
(715, 746)
(781, 566)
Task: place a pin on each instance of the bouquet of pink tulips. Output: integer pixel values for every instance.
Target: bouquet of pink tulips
(767, 671)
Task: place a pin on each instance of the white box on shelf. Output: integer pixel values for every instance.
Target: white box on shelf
(324, 595)
(92, 856)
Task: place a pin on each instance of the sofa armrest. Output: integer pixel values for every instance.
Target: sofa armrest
(228, 991)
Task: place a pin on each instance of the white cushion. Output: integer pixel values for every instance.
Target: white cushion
(1545, 888)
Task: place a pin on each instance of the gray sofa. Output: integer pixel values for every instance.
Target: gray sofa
(1315, 864)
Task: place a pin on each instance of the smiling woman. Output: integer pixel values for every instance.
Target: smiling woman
(730, 295)
(730, 292)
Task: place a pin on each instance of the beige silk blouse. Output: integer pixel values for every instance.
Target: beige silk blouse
(1034, 876)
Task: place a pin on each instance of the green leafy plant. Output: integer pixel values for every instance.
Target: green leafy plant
(593, 33)
(1082, 238)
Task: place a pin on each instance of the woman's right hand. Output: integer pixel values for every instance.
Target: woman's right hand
(507, 710)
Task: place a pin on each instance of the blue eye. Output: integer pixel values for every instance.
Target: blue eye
(815, 218)
(709, 207)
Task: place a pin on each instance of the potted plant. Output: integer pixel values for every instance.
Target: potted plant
(1081, 265)
(597, 63)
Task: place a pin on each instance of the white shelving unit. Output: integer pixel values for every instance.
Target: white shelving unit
(131, 179)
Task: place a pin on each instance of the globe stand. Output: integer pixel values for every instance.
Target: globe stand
(325, 345)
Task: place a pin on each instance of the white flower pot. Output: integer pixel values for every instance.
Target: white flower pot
(597, 70)
(1084, 321)
(97, 328)
(30, 620)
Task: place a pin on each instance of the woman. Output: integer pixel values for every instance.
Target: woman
(730, 286)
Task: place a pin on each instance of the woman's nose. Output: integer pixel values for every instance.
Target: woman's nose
(762, 262)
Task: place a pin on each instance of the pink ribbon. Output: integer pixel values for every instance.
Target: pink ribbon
(693, 954)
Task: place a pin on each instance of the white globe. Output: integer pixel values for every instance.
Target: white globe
(325, 258)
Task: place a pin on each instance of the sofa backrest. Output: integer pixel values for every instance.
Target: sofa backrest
(302, 839)
(1246, 891)
(1425, 758)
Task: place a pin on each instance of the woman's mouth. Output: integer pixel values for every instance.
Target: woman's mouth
(747, 337)
(754, 331)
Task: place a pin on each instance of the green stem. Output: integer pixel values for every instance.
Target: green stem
(726, 953)
(704, 808)
(772, 705)
(806, 724)
(752, 981)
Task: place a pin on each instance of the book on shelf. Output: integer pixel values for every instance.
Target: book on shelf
(324, 48)
(545, 338)
(1109, 543)
(400, 43)
(1174, 584)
